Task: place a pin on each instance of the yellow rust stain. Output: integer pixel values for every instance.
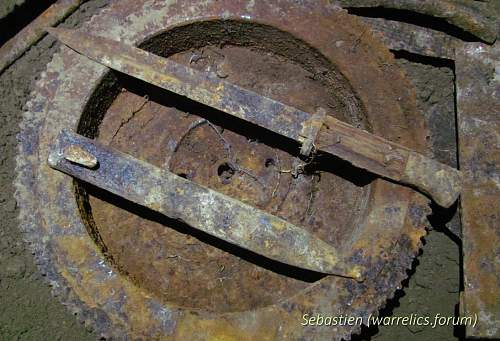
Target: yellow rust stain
(95, 294)
(330, 257)
(220, 88)
(77, 249)
(278, 224)
(221, 329)
(164, 78)
(141, 318)
(355, 272)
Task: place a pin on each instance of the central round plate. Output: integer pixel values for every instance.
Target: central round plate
(183, 266)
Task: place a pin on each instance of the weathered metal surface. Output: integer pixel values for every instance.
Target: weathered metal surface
(244, 164)
(478, 105)
(359, 147)
(413, 38)
(200, 207)
(478, 119)
(128, 282)
(391, 160)
(475, 17)
(29, 35)
(206, 88)
(309, 132)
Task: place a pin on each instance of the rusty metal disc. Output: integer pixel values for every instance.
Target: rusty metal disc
(135, 273)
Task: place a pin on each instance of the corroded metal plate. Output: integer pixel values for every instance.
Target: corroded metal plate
(134, 273)
(478, 103)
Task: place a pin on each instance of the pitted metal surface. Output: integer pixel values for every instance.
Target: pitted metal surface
(476, 67)
(478, 104)
(122, 276)
(476, 17)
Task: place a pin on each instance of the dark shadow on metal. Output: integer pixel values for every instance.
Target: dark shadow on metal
(332, 164)
(321, 162)
(459, 330)
(145, 213)
(21, 16)
(441, 216)
(421, 59)
(414, 18)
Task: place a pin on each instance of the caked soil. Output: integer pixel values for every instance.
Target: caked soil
(28, 311)
(433, 286)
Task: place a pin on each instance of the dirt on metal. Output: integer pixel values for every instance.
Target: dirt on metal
(201, 276)
(29, 310)
(27, 307)
(328, 134)
(477, 17)
(391, 215)
(35, 30)
(478, 106)
(227, 173)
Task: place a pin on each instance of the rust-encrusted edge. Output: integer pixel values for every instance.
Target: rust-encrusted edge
(34, 31)
(478, 107)
(415, 39)
(469, 17)
(405, 245)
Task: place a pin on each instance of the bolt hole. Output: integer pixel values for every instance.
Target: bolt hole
(269, 162)
(225, 172)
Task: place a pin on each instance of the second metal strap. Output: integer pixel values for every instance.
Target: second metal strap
(200, 207)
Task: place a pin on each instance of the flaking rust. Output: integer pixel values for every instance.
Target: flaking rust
(96, 262)
(471, 16)
(198, 206)
(16, 46)
(359, 147)
(476, 68)
(478, 106)
(127, 275)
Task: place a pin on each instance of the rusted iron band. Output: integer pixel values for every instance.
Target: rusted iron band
(29, 35)
(362, 149)
(415, 39)
(478, 108)
(200, 207)
(468, 16)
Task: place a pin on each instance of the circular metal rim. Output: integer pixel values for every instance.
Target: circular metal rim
(61, 242)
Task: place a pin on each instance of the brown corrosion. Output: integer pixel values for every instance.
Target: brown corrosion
(478, 106)
(233, 163)
(33, 32)
(359, 147)
(121, 270)
(199, 207)
(471, 16)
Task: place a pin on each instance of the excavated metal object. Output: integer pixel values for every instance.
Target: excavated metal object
(134, 273)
